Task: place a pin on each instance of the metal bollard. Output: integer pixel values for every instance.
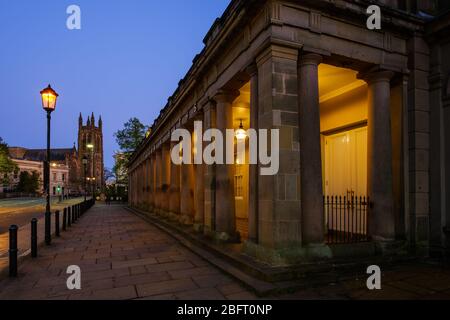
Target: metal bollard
(57, 223)
(64, 225)
(48, 228)
(34, 237)
(69, 216)
(13, 251)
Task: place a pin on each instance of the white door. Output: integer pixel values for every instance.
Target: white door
(346, 163)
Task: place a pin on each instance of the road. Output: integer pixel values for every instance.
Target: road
(20, 211)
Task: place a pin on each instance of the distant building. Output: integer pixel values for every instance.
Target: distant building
(63, 167)
(66, 172)
(90, 145)
(59, 176)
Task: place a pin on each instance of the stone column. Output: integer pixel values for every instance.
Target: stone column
(149, 184)
(165, 177)
(130, 188)
(279, 214)
(379, 156)
(174, 191)
(310, 155)
(199, 218)
(187, 193)
(225, 208)
(209, 121)
(135, 187)
(139, 185)
(153, 181)
(158, 180)
(253, 168)
(145, 187)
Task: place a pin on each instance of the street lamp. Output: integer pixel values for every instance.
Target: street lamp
(85, 161)
(49, 97)
(93, 187)
(241, 134)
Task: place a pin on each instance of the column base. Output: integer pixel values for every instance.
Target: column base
(173, 216)
(223, 236)
(294, 254)
(186, 220)
(198, 227)
(387, 247)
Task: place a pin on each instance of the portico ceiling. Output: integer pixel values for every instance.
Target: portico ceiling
(334, 81)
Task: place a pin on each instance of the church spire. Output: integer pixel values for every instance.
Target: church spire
(88, 123)
(100, 122)
(80, 121)
(93, 120)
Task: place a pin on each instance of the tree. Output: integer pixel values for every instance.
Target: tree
(7, 166)
(128, 139)
(120, 168)
(130, 136)
(28, 183)
(108, 174)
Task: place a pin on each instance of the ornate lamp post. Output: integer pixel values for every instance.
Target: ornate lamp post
(85, 161)
(49, 97)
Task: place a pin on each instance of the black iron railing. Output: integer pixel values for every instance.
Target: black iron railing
(346, 219)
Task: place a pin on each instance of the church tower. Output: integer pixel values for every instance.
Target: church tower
(90, 144)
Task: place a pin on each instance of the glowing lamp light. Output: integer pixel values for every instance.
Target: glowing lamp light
(90, 146)
(240, 133)
(49, 97)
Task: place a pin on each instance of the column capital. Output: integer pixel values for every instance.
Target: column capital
(376, 75)
(252, 69)
(224, 95)
(310, 59)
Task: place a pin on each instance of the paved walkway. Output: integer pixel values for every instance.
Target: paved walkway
(124, 257)
(121, 257)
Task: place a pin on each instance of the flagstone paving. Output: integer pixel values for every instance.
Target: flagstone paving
(123, 257)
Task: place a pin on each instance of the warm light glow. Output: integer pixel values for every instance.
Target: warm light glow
(241, 134)
(49, 97)
(90, 146)
(53, 164)
(194, 143)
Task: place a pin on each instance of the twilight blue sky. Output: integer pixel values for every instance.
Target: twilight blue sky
(125, 62)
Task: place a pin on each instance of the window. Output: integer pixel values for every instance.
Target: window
(54, 190)
(63, 177)
(54, 176)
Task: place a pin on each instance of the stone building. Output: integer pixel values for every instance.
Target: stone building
(32, 160)
(362, 114)
(90, 145)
